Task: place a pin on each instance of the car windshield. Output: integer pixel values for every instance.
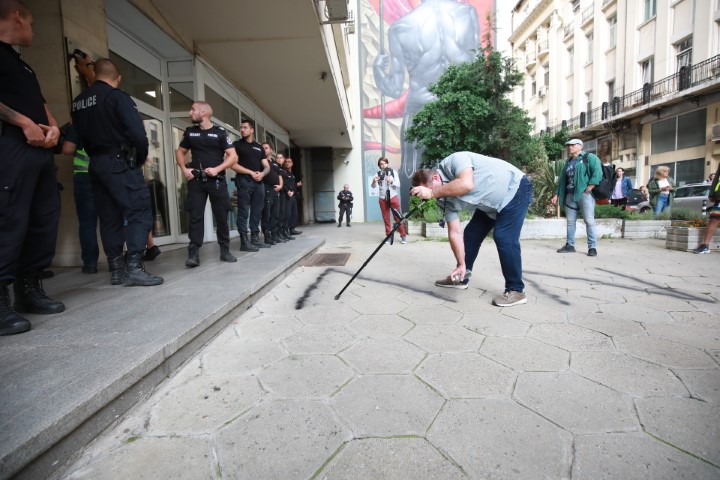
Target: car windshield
(692, 191)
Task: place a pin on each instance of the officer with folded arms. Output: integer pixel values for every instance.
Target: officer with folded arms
(110, 128)
(212, 153)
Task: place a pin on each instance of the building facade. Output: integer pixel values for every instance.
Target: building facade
(637, 80)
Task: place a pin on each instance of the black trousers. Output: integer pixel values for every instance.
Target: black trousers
(29, 208)
(282, 213)
(271, 211)
(345, 208)
(250, 202)
(120, 195)
(198, 194)
(291, 211)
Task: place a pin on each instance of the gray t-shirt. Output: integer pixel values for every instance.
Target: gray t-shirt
(496, 183)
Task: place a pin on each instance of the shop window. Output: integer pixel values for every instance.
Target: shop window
(138, 82)
(181, 95)
(222, 109)
(683, 131)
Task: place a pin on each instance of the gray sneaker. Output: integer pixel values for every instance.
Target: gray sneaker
(508, 299)
(702, 249)
(448, 282)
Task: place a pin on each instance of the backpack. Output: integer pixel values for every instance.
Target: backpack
(603, 189)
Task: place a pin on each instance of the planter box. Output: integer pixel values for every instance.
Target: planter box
(687, 239)
(435, 231)
(416, 229)
(539, 228)
(645, 228)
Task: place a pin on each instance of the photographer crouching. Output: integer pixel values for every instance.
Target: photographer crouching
(389, 186)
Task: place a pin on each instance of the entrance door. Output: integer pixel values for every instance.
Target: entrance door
(155, 174)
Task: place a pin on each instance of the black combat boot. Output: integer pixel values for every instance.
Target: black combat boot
(193, 259)
(225, 254)
(286, 232)
(10, 322)
(268, 237)
(255, 240)
(340, 224)
(118, 274)
(245, 245)
(31, 298)
(277, 238)
(295, 232)
(136, 274)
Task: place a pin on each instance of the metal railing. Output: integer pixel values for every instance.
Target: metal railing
(568, 30)
(686, 77)
(543, 46)
(588, 13)
(606, 2)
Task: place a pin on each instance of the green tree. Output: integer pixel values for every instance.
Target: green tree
(555, 144)
(472, 113)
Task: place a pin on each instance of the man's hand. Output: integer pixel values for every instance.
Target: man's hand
(212, 171)
(277, 188)
(422, 192)
(554, 200)
(188, 173)
(52, 135)
(459, 273)
(290, 193)
(33, 133)
(257, 176)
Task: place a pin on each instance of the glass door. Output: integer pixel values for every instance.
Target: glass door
(156, 178)
(180, 182)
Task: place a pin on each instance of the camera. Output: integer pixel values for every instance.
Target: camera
(381, 174)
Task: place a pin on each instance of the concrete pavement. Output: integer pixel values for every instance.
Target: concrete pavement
(612, 370)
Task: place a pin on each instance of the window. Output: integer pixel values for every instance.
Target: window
(533, 86)
(570, 59)
(588, 114)
(181, 94)
(684, 53)
(222, 109)
(138, 82)
(611, 90)
(647, 73)
(546, 75)
(612, 32)
(650, 9)
(683, 131)
(589, 38)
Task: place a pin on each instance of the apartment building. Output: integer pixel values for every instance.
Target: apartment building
(637, 80)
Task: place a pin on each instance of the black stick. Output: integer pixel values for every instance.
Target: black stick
(389, 235)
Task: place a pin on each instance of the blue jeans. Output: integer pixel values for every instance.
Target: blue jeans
(87, 218)
(586, 206)
(507, 224)
(663, 202)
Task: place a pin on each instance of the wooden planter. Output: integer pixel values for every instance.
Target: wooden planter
(687, 239)
(416, 228)
(645, 228)
(433, 230)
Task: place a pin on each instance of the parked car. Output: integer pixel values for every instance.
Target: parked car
(693, 196)
(637, 203)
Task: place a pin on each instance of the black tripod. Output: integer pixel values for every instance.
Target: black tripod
(399, 220)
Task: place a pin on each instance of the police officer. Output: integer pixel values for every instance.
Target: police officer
(29, 196)
(282, 210)
(212, 153)
(345, 205)
(271, 212)
(291, 208)
(251, 168)
(112, 132)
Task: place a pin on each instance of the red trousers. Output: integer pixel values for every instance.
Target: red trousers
(387, 214)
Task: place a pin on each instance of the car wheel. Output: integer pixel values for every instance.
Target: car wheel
(645, 209)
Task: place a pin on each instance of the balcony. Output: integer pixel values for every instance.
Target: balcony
(698, 76)
(568, 30)
(587, 14)
(543, 49)
(607, 3)
(530, 59)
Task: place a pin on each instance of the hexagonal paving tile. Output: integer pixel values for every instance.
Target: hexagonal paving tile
(663, 352)
(492, 324)
(280, 439)
(576, 403)
(501, 439)
(693, 335)
(322, 315)
(379, 326)
(634, 455)
(382, 307)
(525, 354)
(267, 328)
(466, 375)
(150, 458)
(444, 338)
(686, 423)
(319, 339)
(431, 314)
(203, 404)
(387, 405)
(538, 315)
(703, 384)
(383, 355)
(570, 337)
(627, 374)
(378, 293)
(390, 459)
(643, 313)
(306, 376)
(609, 326)
(239, 357)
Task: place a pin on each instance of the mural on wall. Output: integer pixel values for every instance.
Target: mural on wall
(403, 52)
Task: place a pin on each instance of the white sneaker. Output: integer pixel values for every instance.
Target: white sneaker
(403, 240)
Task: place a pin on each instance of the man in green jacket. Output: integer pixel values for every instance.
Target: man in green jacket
(582, 171)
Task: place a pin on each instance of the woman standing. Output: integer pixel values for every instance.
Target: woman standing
(621, 190)
(661, 189)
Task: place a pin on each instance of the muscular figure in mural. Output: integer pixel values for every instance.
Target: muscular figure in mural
(433, 36)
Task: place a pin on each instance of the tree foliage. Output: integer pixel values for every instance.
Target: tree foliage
(472, 113)
(555, 144)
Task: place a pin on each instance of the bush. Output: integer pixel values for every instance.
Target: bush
(610, 211)
(428, 212)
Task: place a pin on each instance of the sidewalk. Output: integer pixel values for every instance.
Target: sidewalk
(612, 370)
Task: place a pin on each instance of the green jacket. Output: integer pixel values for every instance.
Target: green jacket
(654, 190)
(584, 176)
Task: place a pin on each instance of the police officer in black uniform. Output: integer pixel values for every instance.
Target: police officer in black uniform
(212, 153)
(271, 212)
(113, 134)
(291, 208)
(29, 196)
(345, 205)
(251, 168)
(282, 197)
